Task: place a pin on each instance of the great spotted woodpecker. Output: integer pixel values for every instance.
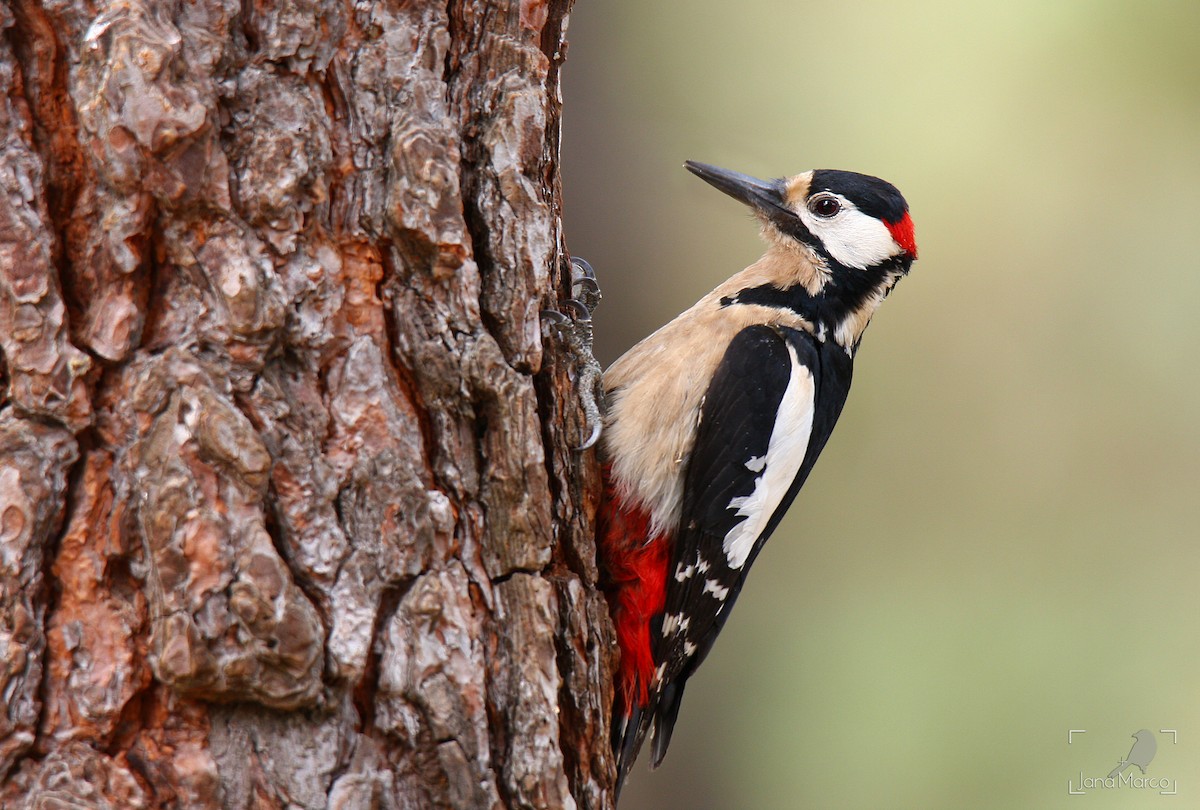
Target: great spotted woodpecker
(714, 422)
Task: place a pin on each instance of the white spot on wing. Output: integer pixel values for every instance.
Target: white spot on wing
(756, 464)
(714, 587)
(785, 453)
(674, 623)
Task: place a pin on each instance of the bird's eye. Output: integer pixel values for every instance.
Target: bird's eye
(825, 207)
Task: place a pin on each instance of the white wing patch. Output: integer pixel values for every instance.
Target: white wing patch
(785, 454)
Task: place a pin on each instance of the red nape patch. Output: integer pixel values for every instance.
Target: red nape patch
(902, 232)
(635, 581)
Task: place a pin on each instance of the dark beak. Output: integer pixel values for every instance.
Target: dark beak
(764, 196)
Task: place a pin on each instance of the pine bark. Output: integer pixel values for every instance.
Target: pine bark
(289, 511)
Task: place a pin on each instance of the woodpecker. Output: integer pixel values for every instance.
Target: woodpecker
(714, 422)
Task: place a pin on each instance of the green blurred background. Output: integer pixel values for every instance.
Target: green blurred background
(999, 543)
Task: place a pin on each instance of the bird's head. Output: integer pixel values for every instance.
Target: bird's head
(851, 220)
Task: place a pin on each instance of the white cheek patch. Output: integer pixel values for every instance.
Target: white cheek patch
(785, 454)
(852, 238)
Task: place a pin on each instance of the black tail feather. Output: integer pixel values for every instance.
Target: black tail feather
(665, 714)
(629, 731)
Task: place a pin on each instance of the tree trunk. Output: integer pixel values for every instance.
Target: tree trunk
(289, 514)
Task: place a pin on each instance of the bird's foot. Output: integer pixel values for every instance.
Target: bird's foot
(576, 333)
(584, 287)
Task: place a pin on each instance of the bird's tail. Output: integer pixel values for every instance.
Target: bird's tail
(628, 732)
(631, 726)
(1117, 771)
(665, 714)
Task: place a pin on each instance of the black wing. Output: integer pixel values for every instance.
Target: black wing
(766, 416)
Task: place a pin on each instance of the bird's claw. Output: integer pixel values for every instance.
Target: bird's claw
(594, 436)
(583, 278)
(576, 332)
(588, 283)
(553, 317)
(582, 313)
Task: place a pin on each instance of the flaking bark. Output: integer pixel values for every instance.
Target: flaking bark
(289, 515)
